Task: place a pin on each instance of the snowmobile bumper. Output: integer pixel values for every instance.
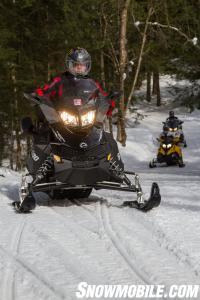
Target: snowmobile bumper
(28, 202)
(146, 205)
(169, 160)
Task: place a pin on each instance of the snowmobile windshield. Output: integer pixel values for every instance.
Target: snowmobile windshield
(173, 125)
(77, 106)
(78, 94)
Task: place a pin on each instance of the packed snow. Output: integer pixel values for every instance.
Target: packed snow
(47, 253)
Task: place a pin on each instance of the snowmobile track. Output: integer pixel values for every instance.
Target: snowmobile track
(164, 241)
(8, 292)
(60, 215)
(57, 250)
(83, 271)
(106, 222)
(18, 261)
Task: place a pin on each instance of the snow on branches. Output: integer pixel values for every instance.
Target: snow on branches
(193, 41)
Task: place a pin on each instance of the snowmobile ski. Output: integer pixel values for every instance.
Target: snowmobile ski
(27, 201)
(153, 201)
(26, 205)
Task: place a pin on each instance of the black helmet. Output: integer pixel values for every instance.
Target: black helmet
(171, 114)
(78, 62)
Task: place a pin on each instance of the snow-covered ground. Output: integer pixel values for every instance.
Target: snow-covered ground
(47, 253)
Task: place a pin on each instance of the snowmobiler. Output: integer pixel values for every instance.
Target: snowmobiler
(172, 116)
(71, 155)
(169, 152)
(174, 126)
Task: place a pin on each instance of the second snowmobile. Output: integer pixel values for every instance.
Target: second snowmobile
(175, 129)
(169, 152)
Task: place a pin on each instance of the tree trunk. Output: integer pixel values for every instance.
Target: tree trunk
(121, 132)
(158, 89)
(18, 153)
(11, 148)
(14, 116)
(48, 38)
(148, 94)
(144, 37)
(103, 81)
(154, 88)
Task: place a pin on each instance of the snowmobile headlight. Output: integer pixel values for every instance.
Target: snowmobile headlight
(69, 119)
(169, 146)
(57, 158)
(175, 129)
(170, 129)
(88, 118)
(164, 146)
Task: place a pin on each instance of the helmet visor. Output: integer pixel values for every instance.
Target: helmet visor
(78, 68)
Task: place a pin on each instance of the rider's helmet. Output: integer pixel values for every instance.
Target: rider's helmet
(78, 62)
(171, 114)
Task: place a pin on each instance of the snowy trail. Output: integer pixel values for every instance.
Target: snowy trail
(104, 213)
(46, 254)
(9, 276)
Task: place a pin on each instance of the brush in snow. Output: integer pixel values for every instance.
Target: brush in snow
(71, 155)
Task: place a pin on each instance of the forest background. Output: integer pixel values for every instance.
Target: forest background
(129, 41)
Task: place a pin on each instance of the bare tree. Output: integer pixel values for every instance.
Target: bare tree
(103, 28)
(146, 24)
(121, 133)
(144, 37)
(154, 90)
(157, 88)
(148, 93)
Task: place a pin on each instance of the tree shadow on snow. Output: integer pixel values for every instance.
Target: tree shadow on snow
(10, 191)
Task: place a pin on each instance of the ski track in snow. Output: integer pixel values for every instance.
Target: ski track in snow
(9, 276)
(45, 254)
(104, 215)
(165, 242)
(25, 267)
(100, 233)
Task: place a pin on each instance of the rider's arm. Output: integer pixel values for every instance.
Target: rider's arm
(103, 104)
(51, 90)
(106, 105)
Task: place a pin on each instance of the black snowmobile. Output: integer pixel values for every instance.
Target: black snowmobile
(71, 155)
